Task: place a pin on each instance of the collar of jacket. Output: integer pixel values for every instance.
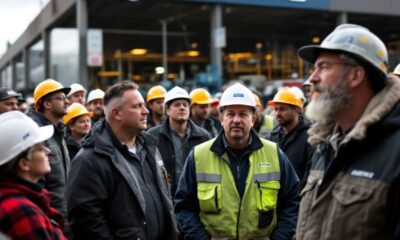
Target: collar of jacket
(104, 140)
(303, 124)
(219, 146)
(377, 109)
(41, 120)
(194, 130)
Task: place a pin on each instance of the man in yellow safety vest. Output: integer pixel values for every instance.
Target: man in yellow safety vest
(237, 186)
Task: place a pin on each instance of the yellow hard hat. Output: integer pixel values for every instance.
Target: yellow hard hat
(287, 96)
(46, 87)
(76, 110)
(155, 92)
(257, 99)
(200, 96)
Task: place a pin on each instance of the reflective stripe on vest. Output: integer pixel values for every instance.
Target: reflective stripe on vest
(222, 212)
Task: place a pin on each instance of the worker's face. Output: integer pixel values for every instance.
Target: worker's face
(330, 92)
(37, 163)
(78, 97)
(285, 114)
(237, 121)
(157, 106)
(178, 110)
(9, 104)
(96, 106)
(57, 104)
(133, 112)
(81, 125)
(201, 111)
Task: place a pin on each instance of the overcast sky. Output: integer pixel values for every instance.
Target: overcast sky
(15, 16)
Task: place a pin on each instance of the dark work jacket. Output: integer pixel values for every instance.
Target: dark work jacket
(105, 199)
(295, 146)
(72, 145)
(165, 145)
(56, 181)
(353, 190)
(209, 126)
(187, 204)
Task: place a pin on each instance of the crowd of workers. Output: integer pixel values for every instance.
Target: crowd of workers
(180, 165)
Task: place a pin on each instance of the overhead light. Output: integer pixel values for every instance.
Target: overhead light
(268, 57)
(194, 45)
(160, 70)
(316, 39)
(259, 45)
(138, 51)
(193, 53)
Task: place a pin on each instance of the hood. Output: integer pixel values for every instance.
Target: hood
(382, 110)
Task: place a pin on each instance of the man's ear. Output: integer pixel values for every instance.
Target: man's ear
(356, 76)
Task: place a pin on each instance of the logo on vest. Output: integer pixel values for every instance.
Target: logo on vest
(265, 165)
(361, 173)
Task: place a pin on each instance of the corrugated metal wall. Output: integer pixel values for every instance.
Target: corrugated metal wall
(386, 7)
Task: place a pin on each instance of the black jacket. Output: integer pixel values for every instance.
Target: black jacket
(105, 199)
(72, 145)
(56, 181)
(295, 146)
(209, 126)
(165, 145)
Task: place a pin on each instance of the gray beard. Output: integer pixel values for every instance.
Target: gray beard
(331, 101)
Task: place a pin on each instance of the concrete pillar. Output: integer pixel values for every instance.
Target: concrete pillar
(27, 66)
(216, 53)
(82, 25)
(342, 18)
(164, 49)
(46, 54)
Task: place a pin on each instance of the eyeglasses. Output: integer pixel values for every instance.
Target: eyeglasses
(59, 98)
(326, 65)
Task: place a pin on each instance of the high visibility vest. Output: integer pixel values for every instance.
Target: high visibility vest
(268, 125)
(222, 212)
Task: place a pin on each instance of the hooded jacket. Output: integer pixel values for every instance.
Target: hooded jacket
(56, 181)
(353, 190)
(105, 199)
(25, 211)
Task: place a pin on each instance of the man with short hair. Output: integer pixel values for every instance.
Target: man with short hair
(237, 185)
(77, 94)
(50, 106)
(177, 134)
(200, 100)
(95, 104)
(8, 100)
(352, 191)
(118, 188)
(291, 132)
(155, 102)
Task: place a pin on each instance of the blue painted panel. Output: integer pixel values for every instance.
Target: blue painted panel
(306, 4)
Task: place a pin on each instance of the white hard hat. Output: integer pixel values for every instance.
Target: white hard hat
(237, 94)
(176, 93)
(19, 132)
(95, 94)
(355, 40)
(76, 87)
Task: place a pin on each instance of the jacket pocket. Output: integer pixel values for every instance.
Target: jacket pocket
(348, 195)
(209, 195)
(267, 195)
